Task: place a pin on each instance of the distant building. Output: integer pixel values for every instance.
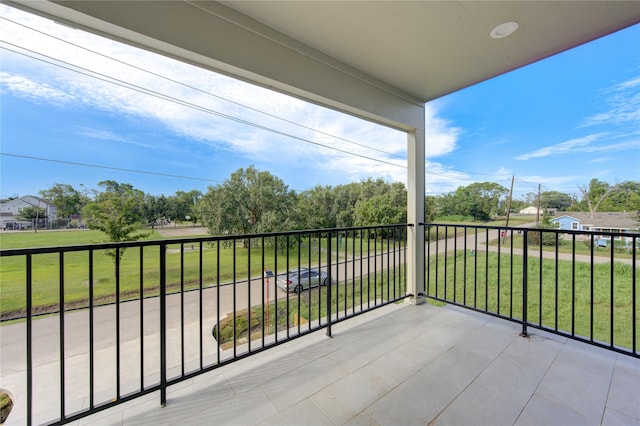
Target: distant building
(531, 210)
(601, 222)
(10, 210)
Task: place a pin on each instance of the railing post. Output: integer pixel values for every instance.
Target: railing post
(525, 268)
(329, 284)
(163, 324)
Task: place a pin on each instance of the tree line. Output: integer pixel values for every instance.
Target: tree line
(255, 201)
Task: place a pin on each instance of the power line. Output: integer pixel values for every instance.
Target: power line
(98, 166)
(131, 86)
(201, 90)
(134, 87)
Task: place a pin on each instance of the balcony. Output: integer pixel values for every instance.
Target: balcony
(474, 355)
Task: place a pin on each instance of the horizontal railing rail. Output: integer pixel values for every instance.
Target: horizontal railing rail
(578, 284)
(92, 326)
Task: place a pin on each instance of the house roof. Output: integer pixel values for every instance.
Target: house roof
(28, 199)
(603, 219)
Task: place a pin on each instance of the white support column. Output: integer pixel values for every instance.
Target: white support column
(415, 214)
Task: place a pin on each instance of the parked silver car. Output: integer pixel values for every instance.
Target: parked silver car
(298, 281)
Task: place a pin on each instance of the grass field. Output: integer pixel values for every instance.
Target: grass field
(139, 271)
(575, 298)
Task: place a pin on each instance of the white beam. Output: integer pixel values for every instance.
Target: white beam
(214, 36)
(415, 215)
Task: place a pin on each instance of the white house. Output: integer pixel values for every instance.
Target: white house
(9, 211)
(530, 210)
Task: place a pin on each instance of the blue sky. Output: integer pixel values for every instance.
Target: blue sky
(559, 122)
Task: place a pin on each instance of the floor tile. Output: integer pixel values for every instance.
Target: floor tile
(480, 406)
(540, 411)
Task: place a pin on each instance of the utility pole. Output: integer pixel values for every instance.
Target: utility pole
(504, 237)
(538, 209)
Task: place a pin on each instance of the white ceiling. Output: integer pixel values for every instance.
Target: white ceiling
(431, 48)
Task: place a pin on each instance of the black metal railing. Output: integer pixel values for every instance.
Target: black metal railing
(93, 326)
(577, 284)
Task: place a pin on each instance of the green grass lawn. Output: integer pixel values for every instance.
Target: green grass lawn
(306, 309)
(494, 283)
(566, 245)
(139, 268)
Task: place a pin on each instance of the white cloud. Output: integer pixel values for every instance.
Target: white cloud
(441, 138)
(572, 145)
(202, 100)
(26, 88)
(623, 101)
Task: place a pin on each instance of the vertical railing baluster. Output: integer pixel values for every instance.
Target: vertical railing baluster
(287, 296)
(163, 323)
(428, 259)
(320, 301)
(118, 378)
(200, 306)
(591, 287)
(361, 267)
(464, 269)
(337, 277)
(329, 285)
(182, 359)
(141, 329)
(369, 269)
(353, 272)
(91, 335)
(218, 300)
(500, 233)
(573, 284)
(29, 354)
(262, 291)
(555, 304)
(486, 270)
(299, 248)
(540, 280)
(525, 273)
(475, 267)
(455, 264)
(249, 295)
(375, 266)
(611, 293)
(62, 339)
(437, 247)
(634, 300)
(235, 312)
(346, 271)
(275, 288)
(511, 276)
(446, 255)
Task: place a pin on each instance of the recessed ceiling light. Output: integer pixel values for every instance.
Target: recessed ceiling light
(504, 30)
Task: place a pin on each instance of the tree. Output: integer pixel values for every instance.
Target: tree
(430, 208)
(117, 212)
(66, 198)
(625, 198)
(555, 200)
(380, 210)
(480, 200)
(316, 208)
(250, 201)
(183, 205)
(32, 213)
(595, 194)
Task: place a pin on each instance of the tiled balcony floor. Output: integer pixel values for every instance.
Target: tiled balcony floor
(407, 365)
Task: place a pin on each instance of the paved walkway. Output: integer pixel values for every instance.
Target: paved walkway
(405, 365)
